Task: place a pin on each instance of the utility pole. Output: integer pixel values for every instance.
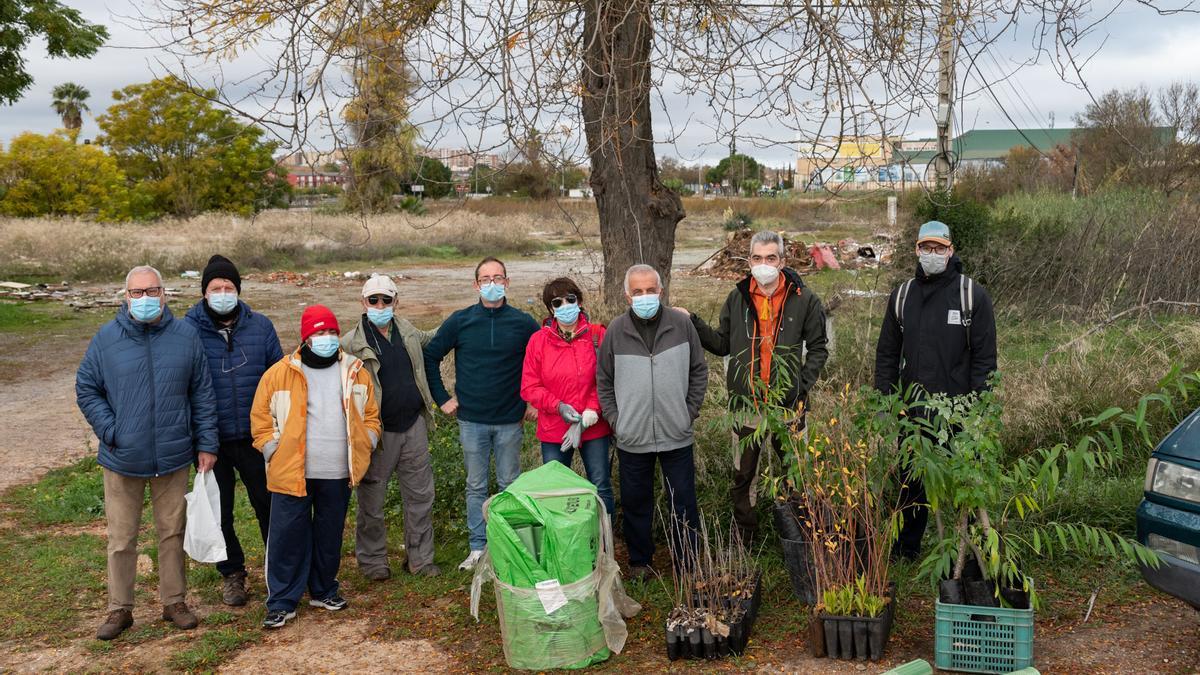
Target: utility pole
(941, 161)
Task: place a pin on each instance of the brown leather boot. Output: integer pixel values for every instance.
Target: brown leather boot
(180, 615)
(115, 624)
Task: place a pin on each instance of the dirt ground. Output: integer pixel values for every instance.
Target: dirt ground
(42, 429)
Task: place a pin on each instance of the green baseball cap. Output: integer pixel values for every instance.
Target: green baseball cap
(934, 230)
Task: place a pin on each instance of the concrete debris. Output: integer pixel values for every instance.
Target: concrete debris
(190, 274)
(317, 279)
(14, 285)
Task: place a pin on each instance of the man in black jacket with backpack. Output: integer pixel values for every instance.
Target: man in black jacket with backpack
(938, 333)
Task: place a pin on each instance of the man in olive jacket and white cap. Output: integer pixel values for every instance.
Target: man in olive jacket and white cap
(391, 350)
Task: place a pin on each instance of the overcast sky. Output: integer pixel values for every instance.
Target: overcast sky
(1142, 48)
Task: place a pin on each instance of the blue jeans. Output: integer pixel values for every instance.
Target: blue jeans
(480, 442)
(594, 454)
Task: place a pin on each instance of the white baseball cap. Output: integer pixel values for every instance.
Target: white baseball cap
(379, 284)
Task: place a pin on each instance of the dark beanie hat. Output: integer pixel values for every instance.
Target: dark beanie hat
(220, 267)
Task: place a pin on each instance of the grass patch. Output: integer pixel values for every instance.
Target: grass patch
(19, 317)
(213, 647)
(51, 581)
(72, 495)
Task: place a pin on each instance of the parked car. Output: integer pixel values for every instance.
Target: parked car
(1168, 519)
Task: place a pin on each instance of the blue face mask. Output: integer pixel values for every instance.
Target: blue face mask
(324, 345)
(567, 313)
(491, 292)
(380, 317)
(222, 303)
(646, 306)
(145, 308)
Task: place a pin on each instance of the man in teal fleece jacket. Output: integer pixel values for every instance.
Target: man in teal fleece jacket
(488, 340)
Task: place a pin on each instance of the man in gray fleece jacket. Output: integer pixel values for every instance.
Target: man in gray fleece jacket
(651, 381)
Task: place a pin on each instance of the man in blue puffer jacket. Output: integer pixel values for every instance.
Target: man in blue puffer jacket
(145, 389)
(241, 345)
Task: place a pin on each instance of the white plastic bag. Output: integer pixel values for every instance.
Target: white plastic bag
(202, 538)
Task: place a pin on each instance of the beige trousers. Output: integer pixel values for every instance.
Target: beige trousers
(123, 499)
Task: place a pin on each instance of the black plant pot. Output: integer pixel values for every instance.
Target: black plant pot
(849, 637)
(787, 520)
(797, 558)
(1015, 597)
(701, 643)
(950, 591)
(981, 593)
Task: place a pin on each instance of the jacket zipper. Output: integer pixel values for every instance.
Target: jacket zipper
(232, 377)
(153, 395)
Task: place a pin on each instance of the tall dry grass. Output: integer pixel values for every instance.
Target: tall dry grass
(82, 250)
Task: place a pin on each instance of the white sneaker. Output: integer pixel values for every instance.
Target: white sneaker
(472, 560)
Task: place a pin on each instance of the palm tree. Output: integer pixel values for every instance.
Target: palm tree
(69, 104)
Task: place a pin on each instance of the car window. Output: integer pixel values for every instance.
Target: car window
(1184, 441)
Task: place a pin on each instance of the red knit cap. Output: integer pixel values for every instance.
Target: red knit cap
(315, 318)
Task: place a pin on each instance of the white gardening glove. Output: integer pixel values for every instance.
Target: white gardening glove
(589, 418)
(571, 439)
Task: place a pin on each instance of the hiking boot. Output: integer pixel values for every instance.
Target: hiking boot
(233, 593)
(430, 570)
(277, 618)
(180, 615)
(378, 573)
(333, 603)
(115, 624)
(471, 561)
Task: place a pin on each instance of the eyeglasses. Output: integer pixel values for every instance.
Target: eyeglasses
(939, 249)
(153, 292)
(379, 300)
(569, 298)
(497, 279)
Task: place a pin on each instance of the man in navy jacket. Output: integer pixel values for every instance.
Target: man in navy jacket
(488, 340)
(241, 345)
(145, 389)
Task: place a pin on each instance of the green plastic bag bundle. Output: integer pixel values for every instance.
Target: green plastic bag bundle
(549, 555)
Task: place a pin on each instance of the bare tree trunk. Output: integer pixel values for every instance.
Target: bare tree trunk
(638, 214)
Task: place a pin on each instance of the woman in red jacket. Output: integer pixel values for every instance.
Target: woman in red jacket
(560, 381)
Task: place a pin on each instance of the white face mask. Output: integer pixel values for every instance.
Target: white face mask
(765, 275)
(933, 263)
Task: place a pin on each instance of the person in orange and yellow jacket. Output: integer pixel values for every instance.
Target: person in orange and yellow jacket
(315, 419)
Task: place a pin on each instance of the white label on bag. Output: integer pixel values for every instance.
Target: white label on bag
(954, 318)
(551, 594)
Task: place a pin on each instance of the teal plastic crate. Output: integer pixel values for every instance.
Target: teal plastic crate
(983, 639)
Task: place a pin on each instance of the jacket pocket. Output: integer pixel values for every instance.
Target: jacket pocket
(358, 394)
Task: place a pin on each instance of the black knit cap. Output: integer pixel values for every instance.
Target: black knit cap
(220, 267)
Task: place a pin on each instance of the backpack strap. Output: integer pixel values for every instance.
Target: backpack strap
(966, 301)
(901, 297)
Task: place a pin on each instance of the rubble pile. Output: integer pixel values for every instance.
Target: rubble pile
(78, 298)
(731, 263)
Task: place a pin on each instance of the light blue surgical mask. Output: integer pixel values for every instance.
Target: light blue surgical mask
(324, 345)
(222, 303)
(567, 313)
(380, 317)
(145, 308)
(646, 306)
(492, 292)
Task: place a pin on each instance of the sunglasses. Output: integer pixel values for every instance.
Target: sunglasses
(379, 300)
(570, 299)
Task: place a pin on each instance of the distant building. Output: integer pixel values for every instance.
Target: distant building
(981, 148)
(849, 162)
(462, 160)
(306, 177)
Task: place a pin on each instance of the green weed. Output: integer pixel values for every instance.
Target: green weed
(71, 495)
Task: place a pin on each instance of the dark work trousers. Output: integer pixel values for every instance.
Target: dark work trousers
(914, 509)
(304, 546)
(242, 458)
(637, 477)
(744, 474)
